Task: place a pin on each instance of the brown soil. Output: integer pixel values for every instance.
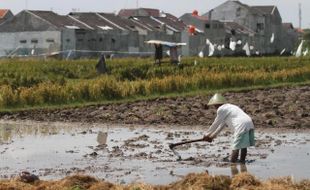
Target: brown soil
(276, 107)
(191, 181)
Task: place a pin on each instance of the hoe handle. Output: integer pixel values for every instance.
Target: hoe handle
(171, 146)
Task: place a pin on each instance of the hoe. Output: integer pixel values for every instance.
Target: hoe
(173, 145)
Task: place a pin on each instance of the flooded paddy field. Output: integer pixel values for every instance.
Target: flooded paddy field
(141, 153)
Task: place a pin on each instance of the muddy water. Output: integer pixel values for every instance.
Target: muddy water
(141, 153)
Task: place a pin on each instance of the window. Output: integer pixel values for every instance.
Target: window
(80, 32)
(238, 12)
(23, 41)
(80, 40)
(34, 41)
(207, 25)
(68, 40)
(233, 32)
(50, 40)
(260, 26)
(100, 39)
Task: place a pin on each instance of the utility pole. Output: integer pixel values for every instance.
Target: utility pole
(300, 15)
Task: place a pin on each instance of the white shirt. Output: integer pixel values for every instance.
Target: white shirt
(232, 116)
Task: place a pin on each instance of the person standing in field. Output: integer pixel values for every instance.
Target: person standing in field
(234, 117)
(158, 54)
(174, 55)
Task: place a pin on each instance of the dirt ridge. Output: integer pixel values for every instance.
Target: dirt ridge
(272, 107)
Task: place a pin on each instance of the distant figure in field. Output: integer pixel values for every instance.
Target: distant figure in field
(174, 58)
(101, 65)
(158, 53)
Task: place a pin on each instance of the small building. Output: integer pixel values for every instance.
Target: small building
(265, 21)
(105, 36)
(32, 33)
(85, 34)
(205, 29)
(159, 25)
(291, 36)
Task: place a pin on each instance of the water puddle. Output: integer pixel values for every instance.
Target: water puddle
(141, 153)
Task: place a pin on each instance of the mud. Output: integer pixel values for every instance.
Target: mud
(132, 154)
(277, 107)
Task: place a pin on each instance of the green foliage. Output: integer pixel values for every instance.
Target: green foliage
(54, 82)
(306, 37)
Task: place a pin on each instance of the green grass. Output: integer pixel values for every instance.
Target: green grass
(29, 84)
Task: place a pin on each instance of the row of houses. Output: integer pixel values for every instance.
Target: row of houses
(82, 34)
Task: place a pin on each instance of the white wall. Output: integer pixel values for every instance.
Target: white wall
(24, 42)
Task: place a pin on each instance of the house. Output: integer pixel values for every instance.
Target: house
(291, 37)
(105, 36)
(265, 21)
(31, 33)
(84, 34)
(159, 25)
(5, 14)
(205, 29)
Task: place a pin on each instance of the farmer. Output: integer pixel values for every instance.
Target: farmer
(234, 117)
(158, 53)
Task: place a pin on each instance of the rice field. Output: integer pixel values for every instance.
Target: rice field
(28, 83)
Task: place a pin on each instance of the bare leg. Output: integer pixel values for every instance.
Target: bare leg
(244, 152)
(234, 156)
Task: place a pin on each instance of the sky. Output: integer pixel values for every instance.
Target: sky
(288, 8)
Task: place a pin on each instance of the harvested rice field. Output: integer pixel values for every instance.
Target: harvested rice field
(140, 154)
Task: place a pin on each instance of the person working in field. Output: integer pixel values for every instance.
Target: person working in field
(234, 117)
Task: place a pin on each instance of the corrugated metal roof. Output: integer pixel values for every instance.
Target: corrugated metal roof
(267, 9)
(172, 17)
(59, 21)
(238, 28)
(93, 20)
(148, 22)
(124, 23)
(138, 12)
(178, 24)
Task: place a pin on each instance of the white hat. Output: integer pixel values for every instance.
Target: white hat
(217, 99)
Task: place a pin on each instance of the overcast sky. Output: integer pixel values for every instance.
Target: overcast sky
(288, 8)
